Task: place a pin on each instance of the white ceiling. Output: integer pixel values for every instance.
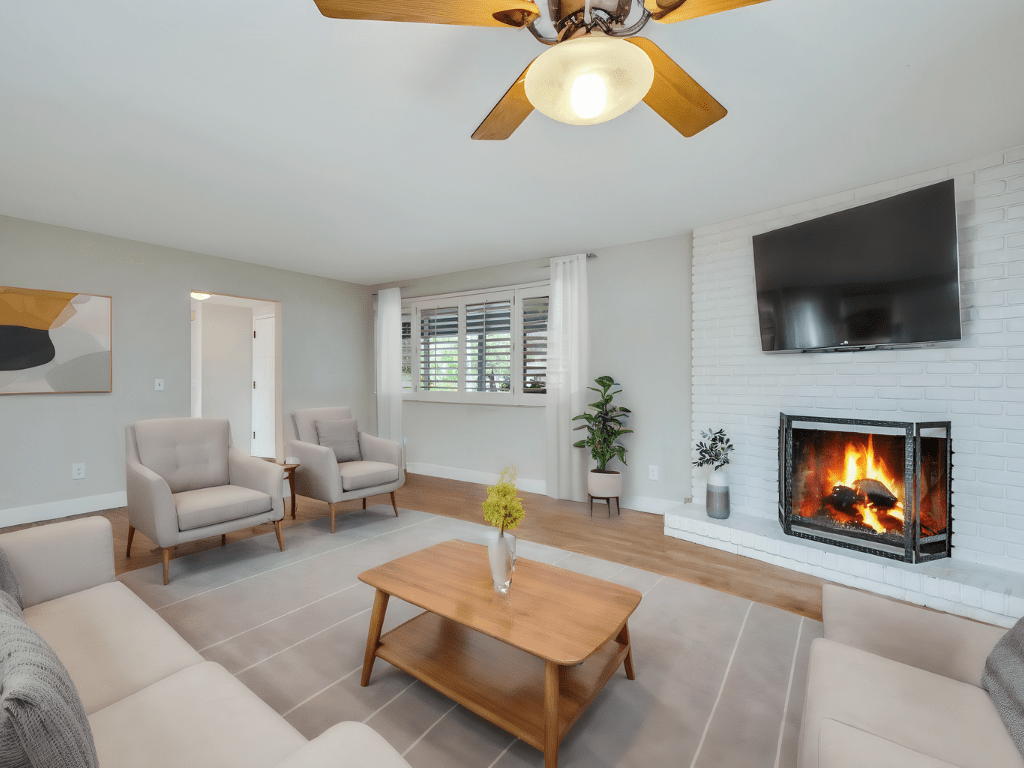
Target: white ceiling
(262, 131)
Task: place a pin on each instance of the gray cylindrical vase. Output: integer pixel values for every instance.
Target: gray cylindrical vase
(717, 503)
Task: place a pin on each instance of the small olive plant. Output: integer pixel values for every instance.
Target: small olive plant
(503, 508)
(715, 451)
(604, 426)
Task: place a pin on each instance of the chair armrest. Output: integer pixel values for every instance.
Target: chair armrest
(259, 475)
(150, 505)
(346, 745)
(947, 645)
(60, 559)
(317, 476)
(375, 448)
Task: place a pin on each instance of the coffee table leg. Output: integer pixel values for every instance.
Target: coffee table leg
(551, 695)
(380, 605)
(628, 662)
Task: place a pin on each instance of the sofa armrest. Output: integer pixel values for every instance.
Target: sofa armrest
(317, 476)
(375, 448)
(346, 745)
(150, 505)
(947, 645)
(60, 559)
(259, 475)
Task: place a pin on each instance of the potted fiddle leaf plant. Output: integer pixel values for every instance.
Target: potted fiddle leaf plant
(714, 452)
(604, 427)
(504, 510)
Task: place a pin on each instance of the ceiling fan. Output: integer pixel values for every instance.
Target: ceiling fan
(595, 69)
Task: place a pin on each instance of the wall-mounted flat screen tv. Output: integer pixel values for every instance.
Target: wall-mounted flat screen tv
(884, 273)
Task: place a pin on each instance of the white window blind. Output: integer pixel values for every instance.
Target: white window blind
(481, 347)
(535, 345)
(489, 346)
(439, 349)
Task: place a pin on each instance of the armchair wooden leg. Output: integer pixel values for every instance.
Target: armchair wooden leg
(223, 539)
(364, 502)
(332, 517)
(394, 504)
(131, 535)
(167, 565)
(280, 538)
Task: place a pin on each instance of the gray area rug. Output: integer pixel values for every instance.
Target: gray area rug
(719, 679)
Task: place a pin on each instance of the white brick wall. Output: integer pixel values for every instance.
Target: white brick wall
(976, 383)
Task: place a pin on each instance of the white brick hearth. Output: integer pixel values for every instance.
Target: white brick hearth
(977, 383)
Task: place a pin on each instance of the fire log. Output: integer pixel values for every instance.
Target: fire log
(842, 498)
(880, 496)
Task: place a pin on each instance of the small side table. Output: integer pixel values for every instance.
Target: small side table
(608, 501)
(289, 475)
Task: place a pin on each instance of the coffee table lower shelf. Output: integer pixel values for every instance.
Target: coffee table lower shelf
(496, 681)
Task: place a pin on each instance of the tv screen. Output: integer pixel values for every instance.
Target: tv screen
(884, 273)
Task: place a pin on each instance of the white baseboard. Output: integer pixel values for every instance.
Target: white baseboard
(53, 510)
(472, 476)
(649, 504)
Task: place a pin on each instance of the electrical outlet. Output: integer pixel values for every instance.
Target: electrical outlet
(652, 472)
(78, 471)
(158, 384)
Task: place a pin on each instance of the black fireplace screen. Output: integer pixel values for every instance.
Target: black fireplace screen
(881, 487)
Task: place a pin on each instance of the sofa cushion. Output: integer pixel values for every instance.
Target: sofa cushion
(844, 747)
(305, 420)
(187, 453)
(341, 435)
(43, 722)
(209, 506)
(356, 475)
(111, 642)
(8, 581)
(200, 716)
(1003, 678)
(360, 744)
(935, 716)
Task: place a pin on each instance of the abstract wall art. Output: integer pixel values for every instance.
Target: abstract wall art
(53, 341)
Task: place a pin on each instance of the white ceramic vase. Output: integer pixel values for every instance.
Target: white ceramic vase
(717, 502)
(501, 554)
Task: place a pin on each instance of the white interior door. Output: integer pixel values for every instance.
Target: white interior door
(264, 439)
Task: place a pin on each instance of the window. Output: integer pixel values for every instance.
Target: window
(481, 347)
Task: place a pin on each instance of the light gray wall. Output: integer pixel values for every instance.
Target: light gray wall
(327, 355)
(640, 334)
(227, 369)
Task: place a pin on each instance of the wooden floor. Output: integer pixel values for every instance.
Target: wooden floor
(634, 538)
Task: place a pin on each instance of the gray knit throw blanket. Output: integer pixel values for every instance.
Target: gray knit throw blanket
(1003, 678)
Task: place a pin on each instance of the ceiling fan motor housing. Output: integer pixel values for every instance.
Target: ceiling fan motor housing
(562, 10)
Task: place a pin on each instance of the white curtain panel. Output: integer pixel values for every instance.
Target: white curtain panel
(568, 369)
(389, 364)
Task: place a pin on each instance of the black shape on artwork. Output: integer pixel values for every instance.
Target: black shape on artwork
(22, 348)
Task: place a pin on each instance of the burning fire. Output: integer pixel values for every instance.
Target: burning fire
(862, 487)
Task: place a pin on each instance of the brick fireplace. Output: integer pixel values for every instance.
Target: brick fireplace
(976, 384)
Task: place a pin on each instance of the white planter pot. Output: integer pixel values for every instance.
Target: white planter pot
(604, 485)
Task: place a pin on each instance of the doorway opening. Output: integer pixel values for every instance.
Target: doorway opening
(236, 369)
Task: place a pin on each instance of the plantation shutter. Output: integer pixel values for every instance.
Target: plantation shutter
(489, 346)
(407, 349)
(439, 349)
(535, 345)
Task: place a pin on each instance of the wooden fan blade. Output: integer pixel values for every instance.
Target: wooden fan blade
(473, 13)
(669, 11)
(676, 96)
(508, 114)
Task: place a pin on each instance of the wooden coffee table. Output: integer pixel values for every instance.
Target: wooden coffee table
(516, 660)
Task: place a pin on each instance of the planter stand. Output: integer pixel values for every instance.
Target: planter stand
(608, 501)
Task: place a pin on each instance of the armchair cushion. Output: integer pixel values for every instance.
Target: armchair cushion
(187, 453)
(342, 436)
(356, 475)
(209, 506)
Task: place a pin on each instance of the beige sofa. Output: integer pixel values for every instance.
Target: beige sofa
(895, 685)
(151, 699)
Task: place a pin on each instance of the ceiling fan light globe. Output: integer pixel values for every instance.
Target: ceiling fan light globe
(566, 82)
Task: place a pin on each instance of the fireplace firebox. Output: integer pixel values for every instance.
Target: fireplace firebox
(881, 487)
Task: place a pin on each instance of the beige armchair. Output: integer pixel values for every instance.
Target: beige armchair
(321, 476)
(186, 482)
